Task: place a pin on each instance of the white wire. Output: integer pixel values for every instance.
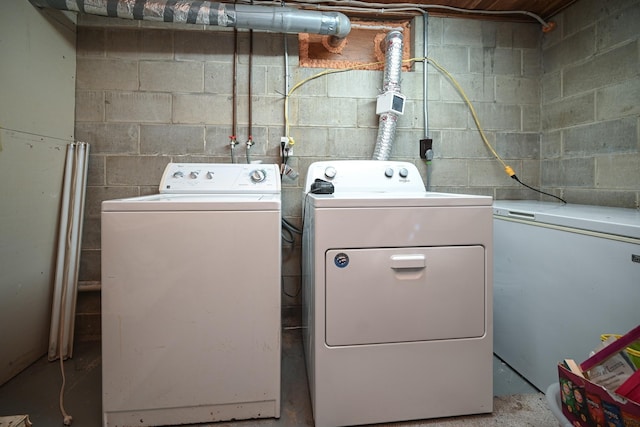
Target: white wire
(359, 6)
(66, 418)
(377, 27)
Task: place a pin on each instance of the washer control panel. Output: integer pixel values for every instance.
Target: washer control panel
(220, 178)
(366, 176)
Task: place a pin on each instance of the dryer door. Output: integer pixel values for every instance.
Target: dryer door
(390, 295)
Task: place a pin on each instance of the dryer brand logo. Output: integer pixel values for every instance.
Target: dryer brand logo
(341, 260)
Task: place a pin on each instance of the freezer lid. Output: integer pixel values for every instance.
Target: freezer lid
(194, 202)
(603, 219)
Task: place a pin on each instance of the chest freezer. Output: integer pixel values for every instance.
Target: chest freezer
(563, 275)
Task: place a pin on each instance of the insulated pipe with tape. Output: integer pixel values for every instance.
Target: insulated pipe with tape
(267, 18)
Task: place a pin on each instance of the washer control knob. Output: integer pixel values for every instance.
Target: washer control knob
(193, 174)
(404, 173)
(209, 175)
(330, 172)
(258, 175)
(178, 174)
(388, 172)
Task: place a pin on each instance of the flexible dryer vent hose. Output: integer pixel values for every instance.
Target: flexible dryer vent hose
(391, 83)
(267, 18)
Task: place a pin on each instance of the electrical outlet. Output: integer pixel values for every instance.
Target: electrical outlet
(425, 145)
(286, 146)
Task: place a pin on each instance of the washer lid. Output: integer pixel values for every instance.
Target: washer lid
(383, 199)
(194, 202)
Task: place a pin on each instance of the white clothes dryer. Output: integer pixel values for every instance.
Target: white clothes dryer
(397, 301)
(191, 298)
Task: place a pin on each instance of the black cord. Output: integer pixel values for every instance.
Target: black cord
(288, 231)
(290, 227)
(286, 235)
(285, 157)
(295, 294)
(539, 191)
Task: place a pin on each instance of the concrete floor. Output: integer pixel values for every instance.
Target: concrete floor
(36, 392)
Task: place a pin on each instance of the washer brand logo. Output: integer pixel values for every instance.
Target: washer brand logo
(341, 260)
(635, 258)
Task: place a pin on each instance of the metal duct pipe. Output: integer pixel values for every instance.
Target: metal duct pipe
(393, 62)
(276, 19)
(391, 85)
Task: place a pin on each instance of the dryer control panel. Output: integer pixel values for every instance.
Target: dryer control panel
(368, 176)
(220, 178)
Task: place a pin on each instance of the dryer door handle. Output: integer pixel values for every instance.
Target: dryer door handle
(408, 261)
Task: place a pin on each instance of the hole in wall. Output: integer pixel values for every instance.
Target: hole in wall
(362, 46)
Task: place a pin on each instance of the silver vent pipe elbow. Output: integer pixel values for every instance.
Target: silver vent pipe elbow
(289, 20)
(391, 83)
(276, 19)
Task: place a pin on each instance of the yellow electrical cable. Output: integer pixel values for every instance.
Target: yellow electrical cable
(508, 169)
(308, 79)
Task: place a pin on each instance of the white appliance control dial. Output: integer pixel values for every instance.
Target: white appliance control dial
(258, 175)
(379, 176)
(330, 172)
(220, 178)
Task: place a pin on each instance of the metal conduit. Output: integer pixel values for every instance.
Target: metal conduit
(276, 19)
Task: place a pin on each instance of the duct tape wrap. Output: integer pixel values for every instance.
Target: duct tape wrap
(277, 19)
(224, 18)
(189, 12)
(391, 83)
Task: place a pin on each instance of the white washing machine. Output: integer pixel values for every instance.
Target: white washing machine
(397, 302)
(191, 298)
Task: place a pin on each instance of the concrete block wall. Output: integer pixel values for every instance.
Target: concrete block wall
(590, 85)
(148, 94)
